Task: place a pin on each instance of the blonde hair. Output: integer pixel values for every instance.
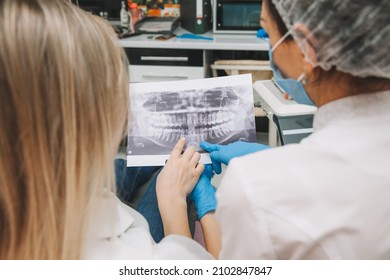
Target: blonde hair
(64, 107)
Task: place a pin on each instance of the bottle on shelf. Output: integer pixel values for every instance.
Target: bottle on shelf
(125, 18)
(135, 15)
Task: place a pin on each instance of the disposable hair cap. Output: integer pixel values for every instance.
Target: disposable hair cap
(352, 35)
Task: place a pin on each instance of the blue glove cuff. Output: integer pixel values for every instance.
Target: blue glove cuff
(211, 205)
(207, 204)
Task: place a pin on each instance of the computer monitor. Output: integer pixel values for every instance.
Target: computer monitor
(111, 7)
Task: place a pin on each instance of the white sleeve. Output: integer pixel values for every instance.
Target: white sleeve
(180, 248)
(243, 227)
(264, 216)
(120, 232)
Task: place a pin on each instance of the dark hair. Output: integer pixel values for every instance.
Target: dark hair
(274, 14)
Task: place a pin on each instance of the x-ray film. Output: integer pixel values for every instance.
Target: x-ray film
(216, 110)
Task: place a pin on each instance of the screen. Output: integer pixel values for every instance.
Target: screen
(241, 15)
(111, 7)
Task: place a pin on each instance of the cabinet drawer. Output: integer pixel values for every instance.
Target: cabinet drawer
(165, 57)
(140, 73)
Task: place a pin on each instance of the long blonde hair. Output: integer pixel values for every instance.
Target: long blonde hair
(63, 111)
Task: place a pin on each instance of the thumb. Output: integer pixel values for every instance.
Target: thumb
(216, 161)
(208, 147)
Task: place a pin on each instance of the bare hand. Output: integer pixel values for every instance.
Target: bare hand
(177, 179)
(180, 174)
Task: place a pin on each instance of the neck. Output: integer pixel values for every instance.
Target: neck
(333, 85)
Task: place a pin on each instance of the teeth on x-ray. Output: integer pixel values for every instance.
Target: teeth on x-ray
(198, 115)
(169, 127)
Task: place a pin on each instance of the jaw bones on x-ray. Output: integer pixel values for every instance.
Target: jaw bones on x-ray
(220, 114)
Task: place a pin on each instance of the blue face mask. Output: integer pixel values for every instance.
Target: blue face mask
(293, 87)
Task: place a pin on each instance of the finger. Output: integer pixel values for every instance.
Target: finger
(199, 169)
(195, 158)
(209, 147)
(208, 168)
(208, 171)
(188, 153)
(178, 149)
(216, 163)
(216, 166)
(220, 156)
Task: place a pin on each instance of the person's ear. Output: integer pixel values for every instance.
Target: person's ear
(303, 33)
(307, 40)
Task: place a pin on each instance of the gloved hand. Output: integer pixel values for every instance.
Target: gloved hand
(203, 194)
(224, 153)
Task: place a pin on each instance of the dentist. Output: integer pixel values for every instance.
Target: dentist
(326, 197)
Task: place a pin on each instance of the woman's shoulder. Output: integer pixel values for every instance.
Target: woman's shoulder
(123, 233)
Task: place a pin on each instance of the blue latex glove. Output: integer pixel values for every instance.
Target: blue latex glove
(224, 153)
(261, 33)
(203, 194)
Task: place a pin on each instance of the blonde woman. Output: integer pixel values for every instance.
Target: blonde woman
(63, 111)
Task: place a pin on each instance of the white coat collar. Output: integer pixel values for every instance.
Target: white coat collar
(356, 107)
(110, 219)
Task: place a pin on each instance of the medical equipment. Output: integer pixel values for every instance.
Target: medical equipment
(294, 121)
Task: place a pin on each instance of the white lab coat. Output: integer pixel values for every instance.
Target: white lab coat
(119, 232)
(325, 198)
